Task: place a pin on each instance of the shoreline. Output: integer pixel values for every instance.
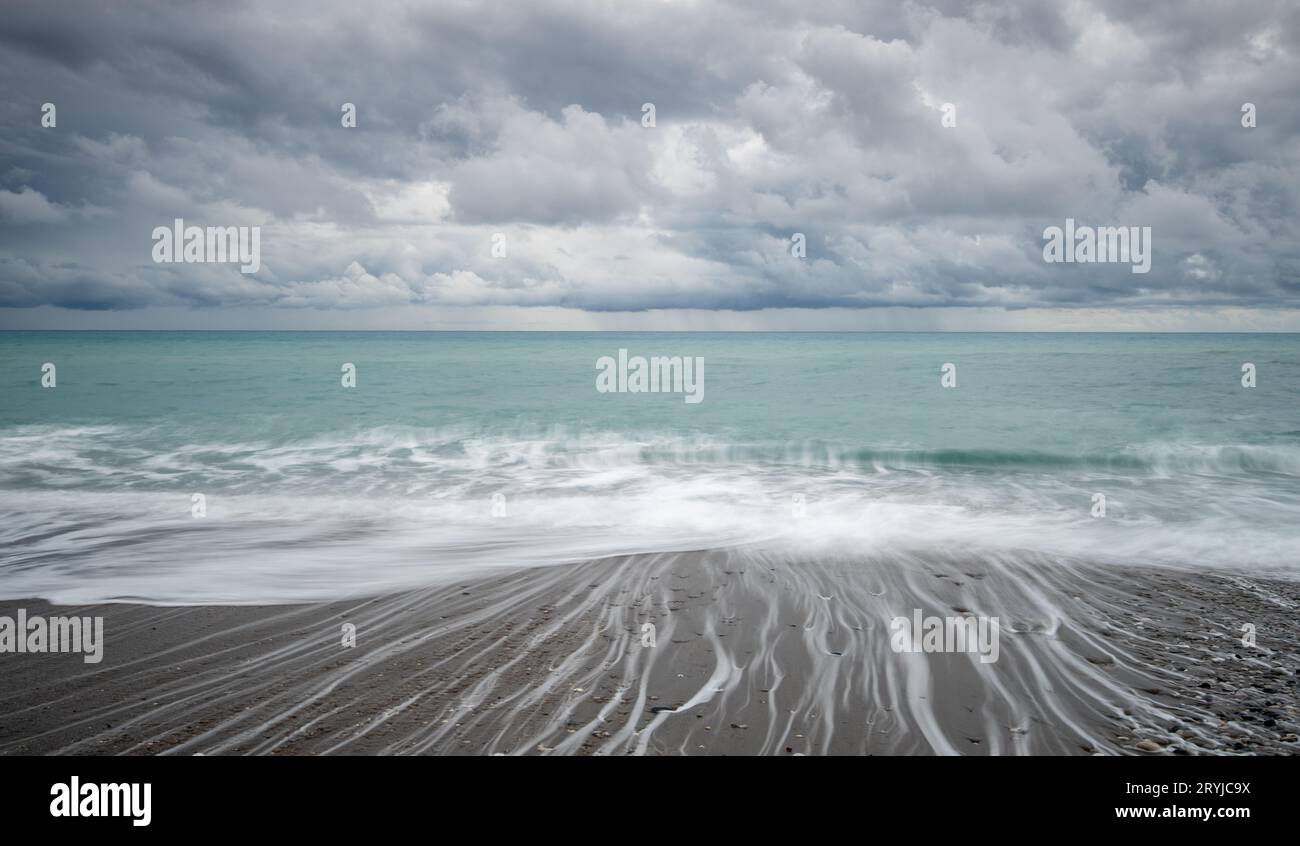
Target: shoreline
(753, 654)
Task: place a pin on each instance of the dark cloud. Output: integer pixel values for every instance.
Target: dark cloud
(522, 122)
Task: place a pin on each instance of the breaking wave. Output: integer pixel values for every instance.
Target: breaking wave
(104, 513)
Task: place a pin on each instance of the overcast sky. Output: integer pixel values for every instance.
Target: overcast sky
(525, 119)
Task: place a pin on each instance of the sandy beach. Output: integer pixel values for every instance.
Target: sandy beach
(752, 654)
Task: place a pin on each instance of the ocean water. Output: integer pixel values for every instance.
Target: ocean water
(460, 453)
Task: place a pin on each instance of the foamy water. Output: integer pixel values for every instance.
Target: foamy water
(454, 458)
(383, 510)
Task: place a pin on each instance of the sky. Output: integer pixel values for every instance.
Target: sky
(920, 149)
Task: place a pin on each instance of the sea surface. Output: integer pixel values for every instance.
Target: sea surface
(461, 453)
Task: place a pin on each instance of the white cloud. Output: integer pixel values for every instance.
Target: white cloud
(29, 206)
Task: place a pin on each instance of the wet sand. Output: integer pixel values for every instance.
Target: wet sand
(754, 653)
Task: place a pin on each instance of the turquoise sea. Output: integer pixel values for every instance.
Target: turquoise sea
(459, 452)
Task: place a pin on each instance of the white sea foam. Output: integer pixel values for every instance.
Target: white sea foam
(92, 513)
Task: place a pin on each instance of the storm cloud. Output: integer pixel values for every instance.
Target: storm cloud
(522, 125)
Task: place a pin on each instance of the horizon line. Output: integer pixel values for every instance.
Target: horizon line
(710, 331)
